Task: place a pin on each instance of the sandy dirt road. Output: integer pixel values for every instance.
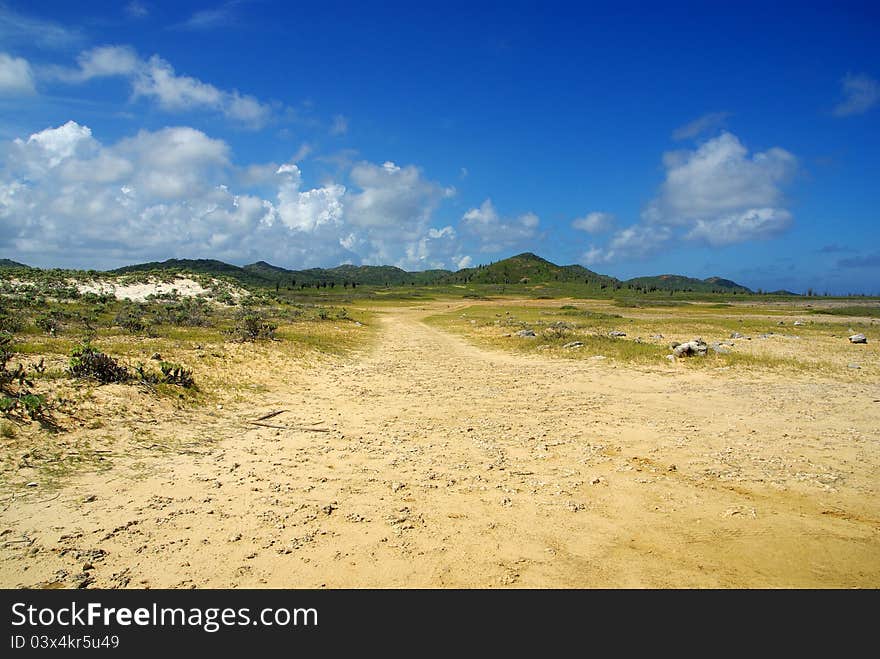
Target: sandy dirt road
(446, 465)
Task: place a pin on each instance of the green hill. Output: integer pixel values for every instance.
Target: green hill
(528, 268)
(369, 275)
(682, 283)
(7, 263)
(199, 266)
(525, 268)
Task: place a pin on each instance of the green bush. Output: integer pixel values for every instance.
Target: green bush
(251, 325)
(16, 396)
(87, 362)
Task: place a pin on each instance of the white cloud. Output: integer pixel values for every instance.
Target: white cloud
(16, 77)
(340, 125)
(718, 194)
(594, 222)
(700, 125)
(638, 241)
(496, 233)
(309, 210)
(753, 224)
(104, 61)
(49, 148)
(208, 19)
(717, 179)
(17, 28)
(861, 92)
(136, 9)
(67, 199)
(157, 80)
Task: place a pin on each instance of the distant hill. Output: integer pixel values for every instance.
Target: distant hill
(200, 266)
(7, 263)
(370, 275)
(529, 268)
(681, 283)
(525, 268)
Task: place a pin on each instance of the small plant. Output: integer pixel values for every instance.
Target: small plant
(10, 322)
(16, 395)
(7, 430)
(171, 373)
(48, 324)
(131, 319)
(250, 325)
(177, 374)
(87, 362)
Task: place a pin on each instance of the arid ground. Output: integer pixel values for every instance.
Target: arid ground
(429, 458)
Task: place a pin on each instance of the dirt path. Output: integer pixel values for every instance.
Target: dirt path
(447, 465)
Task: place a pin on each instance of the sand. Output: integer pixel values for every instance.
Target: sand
(425, 461)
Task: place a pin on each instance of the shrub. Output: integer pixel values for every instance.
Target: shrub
(177, 374)
(49, 323)
(188, 312)
(171, 373)
(87, 362)
(131, 319)
(250, 325)
(16, 397)
(10, 322)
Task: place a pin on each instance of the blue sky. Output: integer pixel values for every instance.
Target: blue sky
(636, 139)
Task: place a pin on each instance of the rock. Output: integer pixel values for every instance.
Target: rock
(616, 333)
(858, 338)
(597, 357)
(720, 348)
(657, 337)
(853, 366)
(395, 486)
(697, 347)
(781, 322)
(87, 566)
(670, 357)
(573, 344)
(156, 356)
(798, 323)
(526, 333)
(32, 484)
(672, 468)
(736, 335)
(89, 498)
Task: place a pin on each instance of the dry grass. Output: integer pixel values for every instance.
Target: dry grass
(817, 345)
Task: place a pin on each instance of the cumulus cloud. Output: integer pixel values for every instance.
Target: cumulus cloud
(156, 79)
(392, 206)
(755, 223)
(16, 76)
(718, 194)
(497, 233)
(66, 198)
(700, 125)
(594, 222)
(860, 93)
